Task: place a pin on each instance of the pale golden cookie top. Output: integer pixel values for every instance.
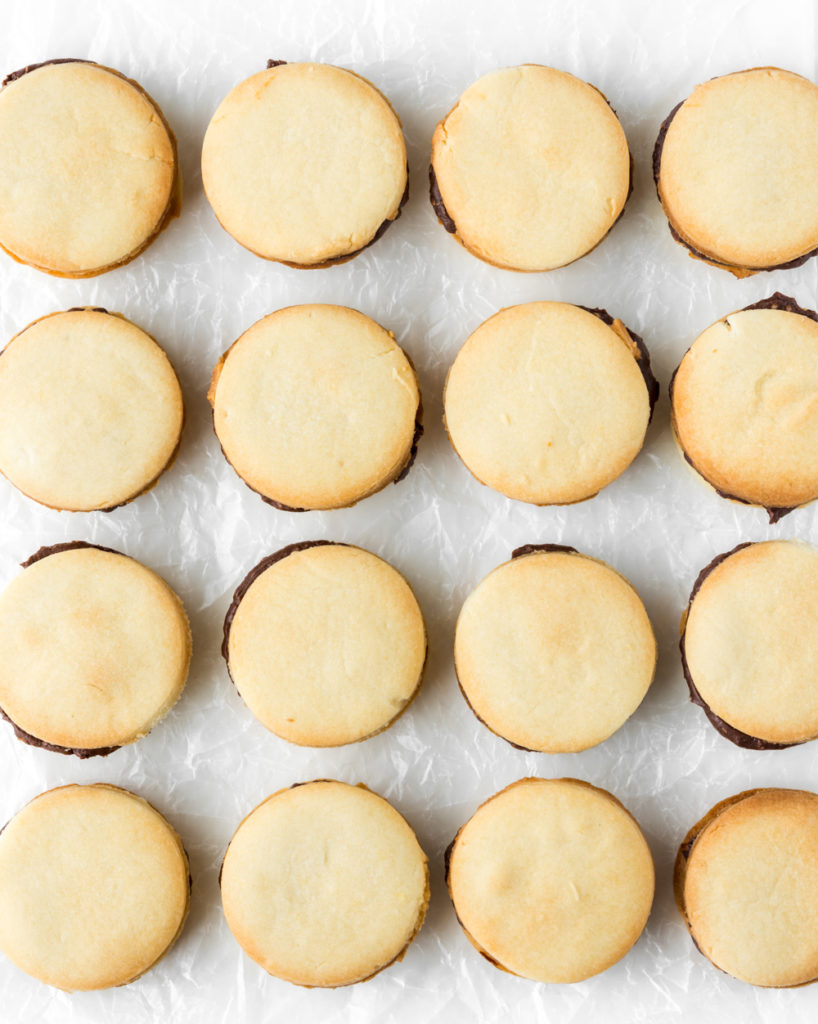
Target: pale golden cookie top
(532, 166)
(748, 888)
(315, 406)
(546, 403)
(745, 406)
(554, 651)
(93, 885)
(552, 878)
(324, 884)
(738, 176)
(327, 645)
(87, 168)
(751, 641)
(304, 163)
(96, 649)
(90, 410)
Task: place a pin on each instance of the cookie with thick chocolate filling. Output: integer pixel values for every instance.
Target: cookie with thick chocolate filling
(745, 405)
(88, 168)
(94, 886)
(746, 884)
(305, 164)
(736, 169)
(324, 884)
(325, 643)
(554, 650)
(96, 649)
(316, 407)
(750, 643)
(548, 402)
(551, 879)
(530, 169)
(90, 410)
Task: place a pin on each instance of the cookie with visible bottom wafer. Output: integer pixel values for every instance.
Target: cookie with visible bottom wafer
(96, 649)
(746, 883)
(324, 884)
(88, 168)
(745, 405)
(94, 887)
(325, 642)
(91, 410)
(551, 879)
(554, 650)
(549, 402)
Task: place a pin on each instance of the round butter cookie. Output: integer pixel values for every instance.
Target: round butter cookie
(548, 402)
(96, 649)
(745, 405)
(554, 650)
(324, 884)
(736, 169)
(551, 879)
(88, 169)
(325, 643)
(316, 407)
(750, 644)
(90, 410)
(305, 164)
(746, 884)
(530, 169)
(94, 887)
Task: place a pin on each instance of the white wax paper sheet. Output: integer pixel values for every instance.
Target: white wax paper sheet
(195, 289)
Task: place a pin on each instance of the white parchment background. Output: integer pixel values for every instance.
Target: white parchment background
(196, 290)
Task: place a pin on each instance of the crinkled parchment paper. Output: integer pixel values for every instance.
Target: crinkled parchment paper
(209, 762)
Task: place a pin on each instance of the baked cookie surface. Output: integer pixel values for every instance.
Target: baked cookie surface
(745, 405)
(94, 887)
(750, 643)
(548, 403)
(305, 163)
(316, 407)
(736, 168)
(530, 169)
(554, 650)
(746, 883)
(88, 169)
(326, 643)
(91, 410)
(324, 884)
(96, 649)
(551, 879)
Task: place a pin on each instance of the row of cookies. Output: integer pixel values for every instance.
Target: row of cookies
(317, 407)
(306, 164)
(327, 645)
(325, 884)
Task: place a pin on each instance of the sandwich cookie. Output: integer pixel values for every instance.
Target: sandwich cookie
(324, 884)
(305, 164)
(551, 879)
(325, 643)
(90, 410)
(750, 644)
(746, 884)
(736, 170)
(530, 169)
(548, 402)
(88, 168)
(554, 650)
(96, 649)
(745, 405)
(316, 407)
(94, 887)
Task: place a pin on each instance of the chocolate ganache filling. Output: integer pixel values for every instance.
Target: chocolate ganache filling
(741, 739)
